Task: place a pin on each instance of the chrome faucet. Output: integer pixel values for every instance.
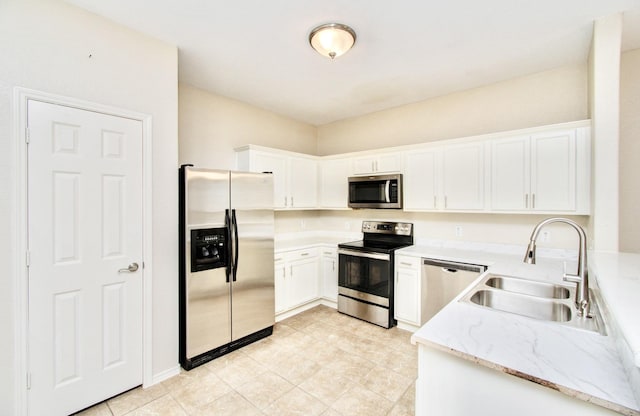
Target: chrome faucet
(581, 278)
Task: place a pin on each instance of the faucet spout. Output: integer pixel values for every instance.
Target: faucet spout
(581, 278)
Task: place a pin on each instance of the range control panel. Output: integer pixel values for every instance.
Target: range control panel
(381, 227)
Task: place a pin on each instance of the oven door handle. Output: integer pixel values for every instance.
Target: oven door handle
(375, 256)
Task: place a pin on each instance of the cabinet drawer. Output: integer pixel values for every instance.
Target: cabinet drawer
(301, 254)
(408, 262)
(329, 252)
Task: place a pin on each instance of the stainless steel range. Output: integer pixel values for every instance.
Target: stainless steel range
(366, 271)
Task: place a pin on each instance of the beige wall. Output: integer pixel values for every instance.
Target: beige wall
(630, 151)
(45, 45)
(544, 98)
(210, 126)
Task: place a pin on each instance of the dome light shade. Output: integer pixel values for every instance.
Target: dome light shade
(332, 39)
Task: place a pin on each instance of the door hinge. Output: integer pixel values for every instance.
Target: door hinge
(27, 135)
(28, 381)
(28, 258)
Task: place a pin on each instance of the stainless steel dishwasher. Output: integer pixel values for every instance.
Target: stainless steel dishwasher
(445, 281)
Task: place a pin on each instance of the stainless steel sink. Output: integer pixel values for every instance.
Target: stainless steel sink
(534, 299)
(528, 287)
(531, 307)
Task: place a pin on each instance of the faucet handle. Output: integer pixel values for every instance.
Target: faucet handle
(573, 278)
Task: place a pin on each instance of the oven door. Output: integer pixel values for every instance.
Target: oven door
(365, 275)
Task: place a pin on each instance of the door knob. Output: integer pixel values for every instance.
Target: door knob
(132, 268)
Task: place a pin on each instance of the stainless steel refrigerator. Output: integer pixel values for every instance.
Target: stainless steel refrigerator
(226, 286)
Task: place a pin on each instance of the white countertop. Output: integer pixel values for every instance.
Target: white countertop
(582, 364)
(297, 241)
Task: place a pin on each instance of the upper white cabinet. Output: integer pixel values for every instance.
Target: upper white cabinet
(545, 172)
(445, 178)
(420, 180)
(463, 176)
(373, 164)
(295, 177)
(334, 191)
(541, 170)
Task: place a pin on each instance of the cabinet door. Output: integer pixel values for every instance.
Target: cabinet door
(388, 163)
(510, 174)
(553, 171)
(419, 181)
(330, 276)
(407, 293)
(264, 162)
(303, 281)
(463, 177)
(364, 165)
(385, 163)
(334, 189)
(303, 180)
(280, 282)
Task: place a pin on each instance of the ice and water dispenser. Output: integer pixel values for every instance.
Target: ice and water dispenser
(208, 249)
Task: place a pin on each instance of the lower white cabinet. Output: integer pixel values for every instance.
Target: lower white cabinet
(329, 267)
(409, 291)
(296, 278)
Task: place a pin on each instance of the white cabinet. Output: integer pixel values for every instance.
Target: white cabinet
(295, 176)
(296, 278)
(420, 180)
(382, 163)
(409, 291)
(302, 177)
(545, 172)
(445, 178)
(334, 188)
(280, 283)
(329, 267)
(463, 176)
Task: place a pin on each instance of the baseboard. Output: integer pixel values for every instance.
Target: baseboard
(164, 375)
(407, 327)
(330, 303)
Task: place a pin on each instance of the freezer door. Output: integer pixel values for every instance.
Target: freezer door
(253, 305)
(206, 311)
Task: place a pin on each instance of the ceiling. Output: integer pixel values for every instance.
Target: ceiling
(258, 51)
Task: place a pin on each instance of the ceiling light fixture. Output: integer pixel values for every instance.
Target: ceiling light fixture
(332, 39)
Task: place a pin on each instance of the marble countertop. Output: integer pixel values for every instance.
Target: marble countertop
(298, 241)
(580, 363)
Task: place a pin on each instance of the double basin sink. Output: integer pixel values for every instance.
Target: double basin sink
(534, 299)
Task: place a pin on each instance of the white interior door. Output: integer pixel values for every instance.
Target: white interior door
(85, 225)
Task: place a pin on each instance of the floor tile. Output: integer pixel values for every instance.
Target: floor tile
(265, 389)
(296, 403)
(101, 409)
(388, 384)
(326, 385)
(164, 406)
(360, 401)
(231, 404)
(133, 399)
(197, 395)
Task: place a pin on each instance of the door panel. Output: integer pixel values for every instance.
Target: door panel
(85, 224)
(208, 307)
(253, 305)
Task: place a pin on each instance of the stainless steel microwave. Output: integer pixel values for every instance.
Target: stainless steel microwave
(377, 191)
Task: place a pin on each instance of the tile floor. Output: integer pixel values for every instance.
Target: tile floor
(319, 362)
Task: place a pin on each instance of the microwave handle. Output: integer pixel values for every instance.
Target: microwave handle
(386, 191)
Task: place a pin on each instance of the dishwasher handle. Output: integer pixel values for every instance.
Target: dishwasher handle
(453, 266)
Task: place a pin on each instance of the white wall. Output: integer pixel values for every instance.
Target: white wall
(548, 97)
(211, 126)
(629, 151)
(45, 45)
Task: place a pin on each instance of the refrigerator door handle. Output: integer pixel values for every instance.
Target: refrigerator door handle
(236, 247)
(227, 225)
